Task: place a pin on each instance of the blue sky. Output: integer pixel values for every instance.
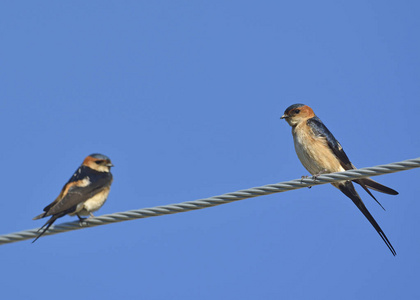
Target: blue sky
(185, 98)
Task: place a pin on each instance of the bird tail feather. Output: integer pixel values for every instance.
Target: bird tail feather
(45, 227)
(348, 189)
(376, 186)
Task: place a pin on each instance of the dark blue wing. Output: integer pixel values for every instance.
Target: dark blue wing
(76, 195)
(80, 174)
(67, 203)
(321, 130)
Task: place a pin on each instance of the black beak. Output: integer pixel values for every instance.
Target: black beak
(284, 116)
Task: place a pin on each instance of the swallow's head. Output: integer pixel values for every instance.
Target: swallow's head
(297, 113)
(98, 162)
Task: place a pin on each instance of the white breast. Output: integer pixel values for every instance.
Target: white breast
(93, 204)
(314, 152)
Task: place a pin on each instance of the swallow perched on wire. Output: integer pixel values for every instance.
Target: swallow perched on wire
(84, 193)
(319, 152)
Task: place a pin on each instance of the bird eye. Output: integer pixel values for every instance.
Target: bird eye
(98, 162)
(297, 111)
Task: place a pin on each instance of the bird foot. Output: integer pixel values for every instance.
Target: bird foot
(304, 177)
(83, 221)
(315, 176)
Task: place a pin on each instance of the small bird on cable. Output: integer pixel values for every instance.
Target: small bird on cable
(85, 192)
(319, 152)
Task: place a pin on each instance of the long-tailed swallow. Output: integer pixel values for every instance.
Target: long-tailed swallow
(319, 152)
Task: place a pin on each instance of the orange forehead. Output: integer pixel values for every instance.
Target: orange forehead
(306, 111)
(89, 160)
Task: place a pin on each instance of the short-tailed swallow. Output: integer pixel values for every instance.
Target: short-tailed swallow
(85, 192)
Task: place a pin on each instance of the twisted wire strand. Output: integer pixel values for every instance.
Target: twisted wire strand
(216, 200)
